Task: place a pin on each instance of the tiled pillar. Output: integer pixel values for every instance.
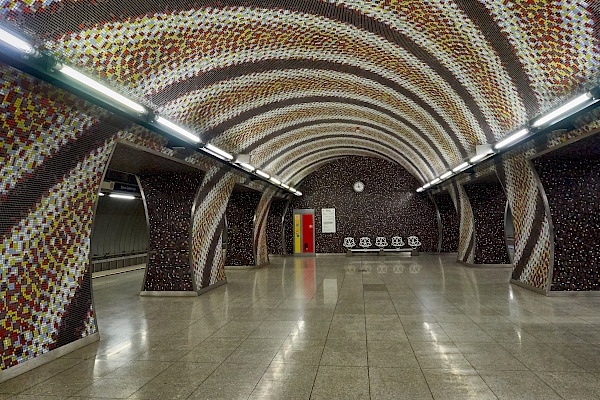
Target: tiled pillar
(533, 236)
(207, 227)
(168, 198)
(260, 228)
(466, 238)
(240, 216)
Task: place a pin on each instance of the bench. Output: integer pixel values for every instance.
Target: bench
(381, 243)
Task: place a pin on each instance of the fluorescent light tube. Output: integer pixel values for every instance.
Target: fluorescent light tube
(419, 190)
(435, 181)
(15, 42)
(445, 175)
(515, 136)
(461, 167)
(217, 152)
(78, 76)
(479, 157)
(563, 110)
(275, 180)
(293, 190)
(262, 174)
(246, 166)
(178, 129)
(297, 193)
(283, 185)
(101, 194)
(425, 186)
(121, 196)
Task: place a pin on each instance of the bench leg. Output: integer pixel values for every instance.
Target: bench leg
(381, 252)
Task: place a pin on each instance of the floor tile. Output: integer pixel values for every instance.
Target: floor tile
(341, 383)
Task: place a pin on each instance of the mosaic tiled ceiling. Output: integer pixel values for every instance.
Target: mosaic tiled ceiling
(424, 81)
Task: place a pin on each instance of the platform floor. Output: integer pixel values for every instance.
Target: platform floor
(333, 328)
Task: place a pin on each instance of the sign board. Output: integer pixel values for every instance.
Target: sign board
(328, 220)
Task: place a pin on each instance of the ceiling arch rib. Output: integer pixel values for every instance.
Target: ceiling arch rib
(451, 45)
(304, 151)
(293, 173)
(164, 53)
(219, 106)
(288, 135)
(277, 124)
(272, 150)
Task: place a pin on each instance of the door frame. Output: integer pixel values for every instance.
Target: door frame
(301, 212)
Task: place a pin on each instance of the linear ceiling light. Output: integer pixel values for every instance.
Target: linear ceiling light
(420, 189)
(185, 133)
(78, 76)
(445, 175)
(217, 152)
(16, 42)
(122, 196)
(262, 174)
(479, 157)
(562, 111)
(425, 186)
(461, 167)
(246, 166)
(298, 193)
(287, 187)
(435, 181)
(512, 138)
(275, 180)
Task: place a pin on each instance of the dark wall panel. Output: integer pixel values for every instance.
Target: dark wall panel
(572, 187)
(169, 198)
(240, 218)
(488, 202)
(450, 222)
(274, 243)
(388, 206)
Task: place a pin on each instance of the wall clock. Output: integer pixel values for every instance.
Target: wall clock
(359, 187)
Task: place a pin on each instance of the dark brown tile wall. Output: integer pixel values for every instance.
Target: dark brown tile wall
(488, 202)
(240, 216)
(388, 206)
(450, 222)
(572, 187)
(169, 198)
(274, 226)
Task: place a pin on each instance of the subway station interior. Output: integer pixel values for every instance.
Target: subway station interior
(299, 200)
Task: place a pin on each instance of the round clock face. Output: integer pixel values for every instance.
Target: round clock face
(359, 187)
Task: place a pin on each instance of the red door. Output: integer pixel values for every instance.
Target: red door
(308, 233)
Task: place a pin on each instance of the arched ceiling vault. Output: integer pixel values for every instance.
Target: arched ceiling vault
(425, 80)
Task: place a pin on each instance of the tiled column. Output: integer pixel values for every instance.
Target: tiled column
(466, 239)
(168, 198)
(260, 228)
(533, 236)
(240, 216)
(207, 227)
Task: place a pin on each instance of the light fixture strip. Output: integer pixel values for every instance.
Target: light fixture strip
(218, 152)
(275, 180)
(121, 196)
(262, 174)
(512, 138)
(16, 42)
(78, 76)
(446, 175)
(562, 111)
(247, 167)
(461, 167)
(176, 128)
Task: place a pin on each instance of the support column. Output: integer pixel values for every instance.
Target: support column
(261, 252)
(168, 199)
(207, 256)
(466, 238)
(532, 223)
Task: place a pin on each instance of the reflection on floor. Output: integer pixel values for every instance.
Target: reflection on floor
(333, 328)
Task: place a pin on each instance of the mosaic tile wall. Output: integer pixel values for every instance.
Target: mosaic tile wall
(466, 237)
(274, 226)
(53, 151)
(260, 228)
(571, 187)
(169, 198)
(450, 222)
(208, 214)
(240, 212)
(388, 206)
(488, 203)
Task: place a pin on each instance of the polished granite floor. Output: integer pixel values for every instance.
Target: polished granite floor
(333, 328)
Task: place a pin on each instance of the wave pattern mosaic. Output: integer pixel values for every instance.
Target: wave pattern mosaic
(463, 79)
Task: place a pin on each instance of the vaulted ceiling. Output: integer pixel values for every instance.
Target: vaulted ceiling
(300, 83)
